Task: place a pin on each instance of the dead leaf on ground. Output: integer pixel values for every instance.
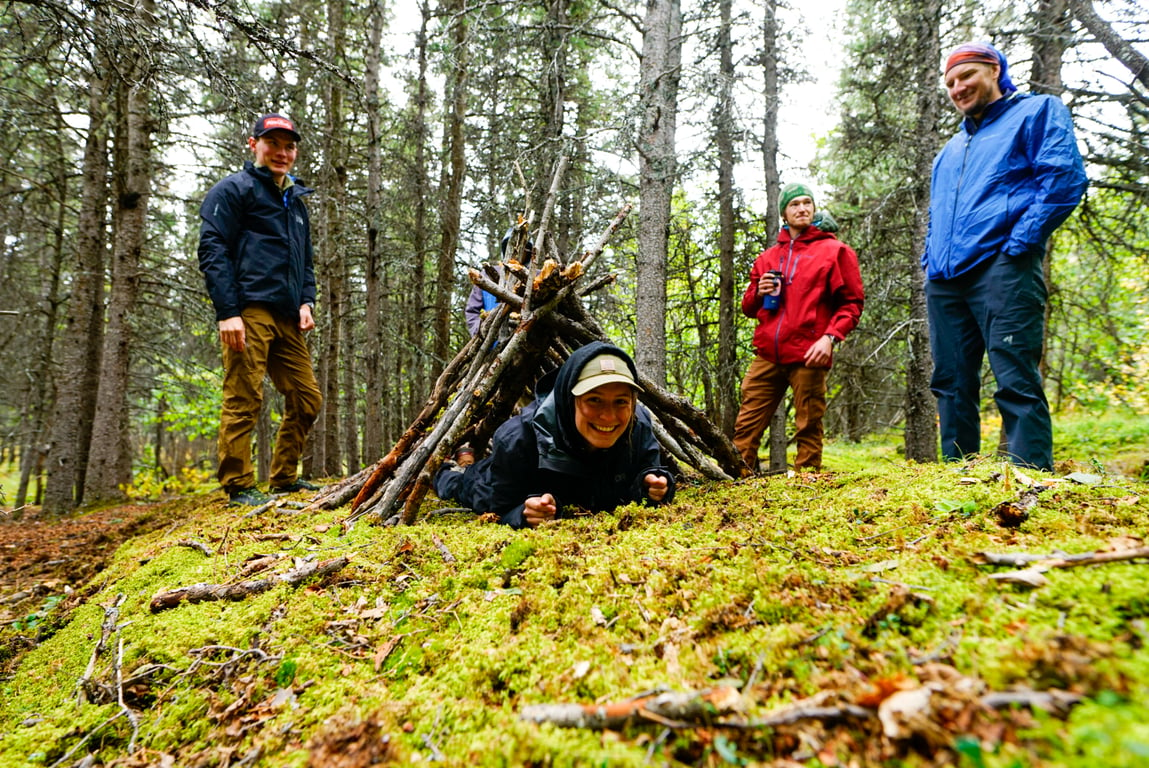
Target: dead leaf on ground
(353, 745)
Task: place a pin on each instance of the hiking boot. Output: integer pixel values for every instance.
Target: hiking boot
(249, 497)
(295, 485)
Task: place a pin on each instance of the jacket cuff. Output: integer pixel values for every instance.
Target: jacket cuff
(514, 518)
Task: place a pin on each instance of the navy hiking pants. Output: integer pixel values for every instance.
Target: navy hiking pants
(998, 308)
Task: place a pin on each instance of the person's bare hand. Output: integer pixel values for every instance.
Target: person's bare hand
(767, 284)
(538, 509)
(232, 334)
(306, 319)
(820, 353)
(656, 486)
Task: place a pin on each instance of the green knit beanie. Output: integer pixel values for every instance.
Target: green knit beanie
(789, 192)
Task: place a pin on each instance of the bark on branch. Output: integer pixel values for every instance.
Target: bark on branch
(197, 593)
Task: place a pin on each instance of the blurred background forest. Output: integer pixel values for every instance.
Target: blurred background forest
(429, 125)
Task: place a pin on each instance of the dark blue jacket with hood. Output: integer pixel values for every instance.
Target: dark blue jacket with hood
(540, 451)
(255, 245)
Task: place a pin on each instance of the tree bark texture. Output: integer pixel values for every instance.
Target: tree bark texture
(373, 326)
(659, 75)
(110, 455)
(772, 180)
(454, 172)
(921, 432)
(726, 397)
(82, 339)
(1117, 46)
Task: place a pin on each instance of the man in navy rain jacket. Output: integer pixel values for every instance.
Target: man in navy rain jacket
(256, 256)
(1000, 187)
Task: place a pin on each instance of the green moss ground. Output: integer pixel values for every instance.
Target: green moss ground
(780, 582)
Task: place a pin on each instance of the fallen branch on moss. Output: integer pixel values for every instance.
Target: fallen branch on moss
(672, 709)
(197, 593)
(85, 689)
(1059, 559)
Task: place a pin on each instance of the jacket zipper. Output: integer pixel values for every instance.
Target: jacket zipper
(791, 263)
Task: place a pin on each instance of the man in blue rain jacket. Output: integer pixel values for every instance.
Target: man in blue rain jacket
(999, 188)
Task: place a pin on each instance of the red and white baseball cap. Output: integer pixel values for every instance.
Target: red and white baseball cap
(273, 122)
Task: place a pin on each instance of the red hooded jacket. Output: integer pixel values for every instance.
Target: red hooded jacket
(821, 294)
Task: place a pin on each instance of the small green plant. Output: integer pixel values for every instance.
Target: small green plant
(37, 617)
(965, 508)
(285, 675)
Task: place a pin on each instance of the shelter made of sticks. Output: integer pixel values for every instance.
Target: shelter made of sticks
(539, 320)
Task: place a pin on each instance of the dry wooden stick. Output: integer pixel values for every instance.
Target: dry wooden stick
(196, 545)
(692, 708)
(549, 204)
(446, 553)
(1060, 559)
(84, 691)
(197, 593)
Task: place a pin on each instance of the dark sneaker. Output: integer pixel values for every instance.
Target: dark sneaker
(250, 497)
(295, 485)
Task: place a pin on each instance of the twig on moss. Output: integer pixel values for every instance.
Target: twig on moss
(673, 710)
(83, 741)
(446, 553)
(1059, 559)
(124, 708)
(196, 545)
(84, 688)
(197, 593)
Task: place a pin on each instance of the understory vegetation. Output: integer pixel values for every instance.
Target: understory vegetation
(812, 602)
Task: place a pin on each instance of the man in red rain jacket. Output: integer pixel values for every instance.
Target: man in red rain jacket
(806, 293)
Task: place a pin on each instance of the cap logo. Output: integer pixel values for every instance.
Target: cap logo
(607, 365)
(278, 122)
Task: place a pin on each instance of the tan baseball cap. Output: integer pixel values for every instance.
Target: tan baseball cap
(603, 369)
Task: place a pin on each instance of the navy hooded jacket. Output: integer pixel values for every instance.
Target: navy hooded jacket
(255, 245)
(540, 451)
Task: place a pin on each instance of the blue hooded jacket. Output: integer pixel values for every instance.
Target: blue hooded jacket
(1002, 185)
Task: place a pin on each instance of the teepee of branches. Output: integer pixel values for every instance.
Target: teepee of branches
(538, 322)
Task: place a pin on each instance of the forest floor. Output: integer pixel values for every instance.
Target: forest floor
(45, 555)
(847, 618)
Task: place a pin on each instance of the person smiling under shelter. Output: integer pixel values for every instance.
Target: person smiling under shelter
(585, 443)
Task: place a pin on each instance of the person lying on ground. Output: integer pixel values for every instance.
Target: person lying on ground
(585, 443)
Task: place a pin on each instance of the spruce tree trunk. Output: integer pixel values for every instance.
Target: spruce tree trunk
(52, 258)
(335, 273)
(78, 373)
(921, 431)
(454, 172)
(770, 100)
(373, 326)
(726, 397)
(110, 455)
(659, 75)
(412, 362)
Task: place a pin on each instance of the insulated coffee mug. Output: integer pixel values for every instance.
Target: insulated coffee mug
(771, 300)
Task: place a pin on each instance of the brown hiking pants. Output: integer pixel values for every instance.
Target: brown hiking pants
(763, 389)
(273, 346)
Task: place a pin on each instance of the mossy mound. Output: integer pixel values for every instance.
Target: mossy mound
(828, 590)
